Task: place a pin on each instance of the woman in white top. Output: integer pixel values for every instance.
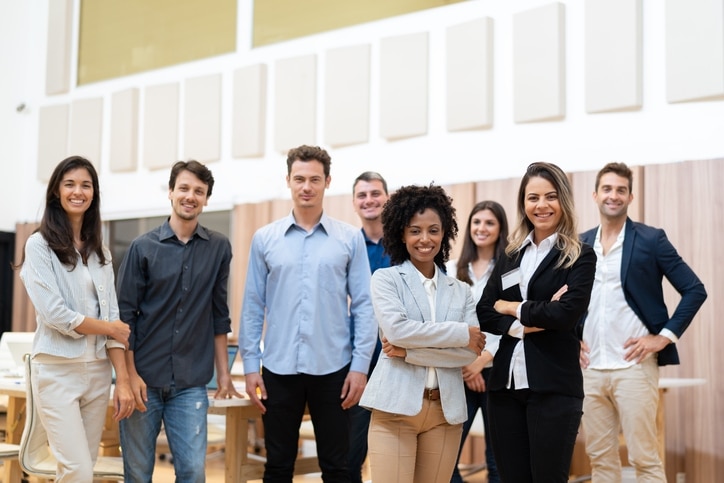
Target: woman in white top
(68, 275)
(429, 332)
(486, 237)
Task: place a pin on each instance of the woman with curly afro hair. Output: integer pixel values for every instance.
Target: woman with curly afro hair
(429, 332)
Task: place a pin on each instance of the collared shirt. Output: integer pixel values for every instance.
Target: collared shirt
(376, 254)
(173, 295)
(431, 291)
(533, 255)
(307, 285)
(610, 321)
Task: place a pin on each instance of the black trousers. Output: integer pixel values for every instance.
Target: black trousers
(533, 434)
(286, 398)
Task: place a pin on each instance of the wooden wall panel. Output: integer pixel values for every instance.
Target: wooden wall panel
(504, 191)
(685, 199)
(245, 220)
(463, 196)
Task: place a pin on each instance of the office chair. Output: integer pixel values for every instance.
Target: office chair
(35, 456)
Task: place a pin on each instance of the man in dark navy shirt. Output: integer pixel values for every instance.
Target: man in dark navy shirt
(172, 288)
(369, 195)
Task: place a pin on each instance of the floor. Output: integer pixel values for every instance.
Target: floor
(215, 473)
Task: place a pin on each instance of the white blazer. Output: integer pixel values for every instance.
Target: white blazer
(403, 313)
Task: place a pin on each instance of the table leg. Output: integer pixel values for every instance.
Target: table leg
(237, 433)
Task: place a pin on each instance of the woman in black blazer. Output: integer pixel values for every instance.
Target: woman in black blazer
(534, 299)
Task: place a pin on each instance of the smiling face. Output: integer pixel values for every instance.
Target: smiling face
(613, 196)
(369, 198)
(76, 191)
(307, 183)
(188, 196)
(542, 207)
(423, 237)
(484, 229)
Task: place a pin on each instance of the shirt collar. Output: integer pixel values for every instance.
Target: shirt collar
(423, 278)
(167, 232)
(546, 243)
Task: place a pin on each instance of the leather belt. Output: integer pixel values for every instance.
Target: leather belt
(431, 394)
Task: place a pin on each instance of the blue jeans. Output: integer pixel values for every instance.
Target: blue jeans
(474, 401)
(183, 412)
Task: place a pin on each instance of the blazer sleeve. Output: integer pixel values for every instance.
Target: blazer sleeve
(404, 331)
(684, 280)
(451, 357)
(565, 313)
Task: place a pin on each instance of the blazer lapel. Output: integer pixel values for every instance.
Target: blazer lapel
(411, 278)
(628, 244)
(552, 256)
(443, 296)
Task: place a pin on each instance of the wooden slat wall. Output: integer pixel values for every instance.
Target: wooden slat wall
(684, 198)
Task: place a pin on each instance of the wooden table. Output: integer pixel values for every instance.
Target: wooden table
(240, 465)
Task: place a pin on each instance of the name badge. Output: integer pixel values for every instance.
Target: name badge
(511, 278)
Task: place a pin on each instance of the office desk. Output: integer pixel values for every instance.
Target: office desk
(240, 465)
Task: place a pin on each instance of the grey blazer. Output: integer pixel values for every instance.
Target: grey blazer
(403, 313)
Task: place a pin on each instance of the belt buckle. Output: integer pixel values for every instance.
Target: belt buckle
(429, 393)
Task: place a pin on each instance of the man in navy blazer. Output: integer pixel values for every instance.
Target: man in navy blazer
(627, 332)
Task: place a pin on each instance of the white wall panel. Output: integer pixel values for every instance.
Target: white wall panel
(249, 116)
(86, 122)
(160, 126)
(347, 96)
(57, 73)
(295, 102)
(469, 90)
(202, 118)
(404, 86)
(52, 138)
(613, 62)
(694, 49)
(124, 130)
(539, 64)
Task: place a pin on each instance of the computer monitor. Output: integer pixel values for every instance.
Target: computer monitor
(15, 345)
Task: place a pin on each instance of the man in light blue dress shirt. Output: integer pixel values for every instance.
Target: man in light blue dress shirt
(308, 277)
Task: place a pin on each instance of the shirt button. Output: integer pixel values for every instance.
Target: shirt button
(100, 288)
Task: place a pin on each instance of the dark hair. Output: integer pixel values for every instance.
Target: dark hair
(405, 203)
(568, 241)
(309, 153)
(469, 252)
(619, 169)
(198, 169)
(55, 226)
(370, 176)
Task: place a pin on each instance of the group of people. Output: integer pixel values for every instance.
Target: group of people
(390, 346)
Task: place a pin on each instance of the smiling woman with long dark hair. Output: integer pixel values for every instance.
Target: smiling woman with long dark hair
(68, 275)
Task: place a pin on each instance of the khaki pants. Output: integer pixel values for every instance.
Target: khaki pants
(626, 399)
(413, 449)
(71, 400)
